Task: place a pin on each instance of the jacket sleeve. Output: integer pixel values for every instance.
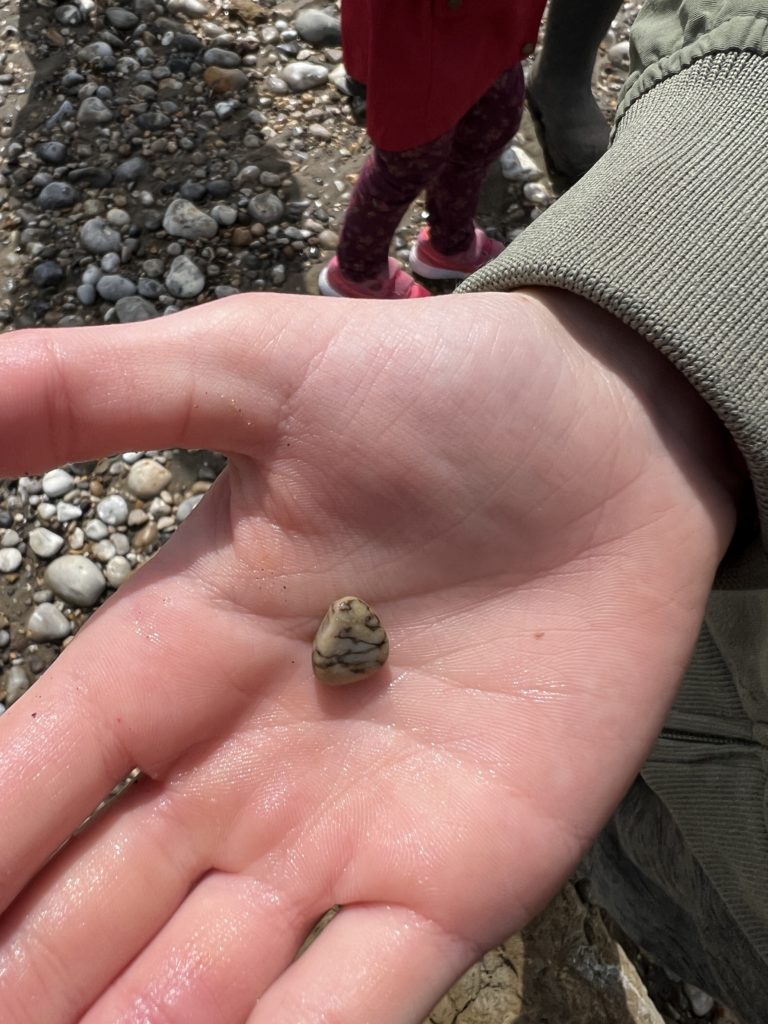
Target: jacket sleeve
(668, 231)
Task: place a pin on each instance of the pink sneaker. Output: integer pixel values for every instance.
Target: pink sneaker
(396, 285)
(427, 262)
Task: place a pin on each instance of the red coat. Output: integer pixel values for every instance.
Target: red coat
(426, 62)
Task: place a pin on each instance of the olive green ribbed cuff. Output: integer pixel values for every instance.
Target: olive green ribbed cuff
(668, 233)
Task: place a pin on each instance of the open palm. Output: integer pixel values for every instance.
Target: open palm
(528, 513)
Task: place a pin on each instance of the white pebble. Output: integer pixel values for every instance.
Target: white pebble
(702, 1003)
(57, 482)
(146, 478)
(66, 512)
(76, 539)
(45, 543)
(187, 507)
(76, 579)
(96, 530)
(112, 510)
(117, 570)
(10, 559)
(103, 550)
(121, 543)
(17, 681)
(48, 623)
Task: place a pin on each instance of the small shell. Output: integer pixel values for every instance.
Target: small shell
(350, 644)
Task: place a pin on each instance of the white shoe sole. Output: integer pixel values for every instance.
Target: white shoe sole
(324, 286)
(433, 273)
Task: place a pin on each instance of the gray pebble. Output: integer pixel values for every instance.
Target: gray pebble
(300, 75)
(110, 262)
(118, 218)
(97, 237)
(189, 8)
(224, 215)
(5, 638)
(184, 220)
(225, 109)
(153, 267)
(10, 539)
(96, 530)
(45, 543)
(188, 506)
(153, 120)
(149, 288)
(223, 291)
(86, 294)
(52, 152)
(120, 543)
(266, 208)
(120, 18)
(114, 286)
(146, 478)
(48, 623)
(112, 510)
(76, 579)
(58, 195)
(618, 54)
(48, 274)
(91, 274)
(98, 53)
(17, 682)
(92, 112)
(701, 1002)
(220, 58)
(131, 170)
(10, 559)
(56, 483)
(133, 308)
(68, 14)
(184, 279)
(517, 165)
(318, 28)
(276, 86)
(536, 193)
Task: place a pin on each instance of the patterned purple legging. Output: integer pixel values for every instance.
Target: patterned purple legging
(451, 168)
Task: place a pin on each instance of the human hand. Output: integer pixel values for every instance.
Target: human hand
(535, 503)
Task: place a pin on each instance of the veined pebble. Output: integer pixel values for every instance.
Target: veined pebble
(350, 644)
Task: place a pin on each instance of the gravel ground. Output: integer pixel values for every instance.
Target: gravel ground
(154, 156)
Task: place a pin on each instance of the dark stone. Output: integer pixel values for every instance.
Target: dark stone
(48, 274)
(52, 152)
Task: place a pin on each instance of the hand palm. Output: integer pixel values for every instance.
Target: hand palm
(510, 509)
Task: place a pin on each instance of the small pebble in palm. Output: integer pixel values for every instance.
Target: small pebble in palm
(350, 644)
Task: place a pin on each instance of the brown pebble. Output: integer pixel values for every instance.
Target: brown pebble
(144, 537)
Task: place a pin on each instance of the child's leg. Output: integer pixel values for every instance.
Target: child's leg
(478, 139)
(388, 184)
